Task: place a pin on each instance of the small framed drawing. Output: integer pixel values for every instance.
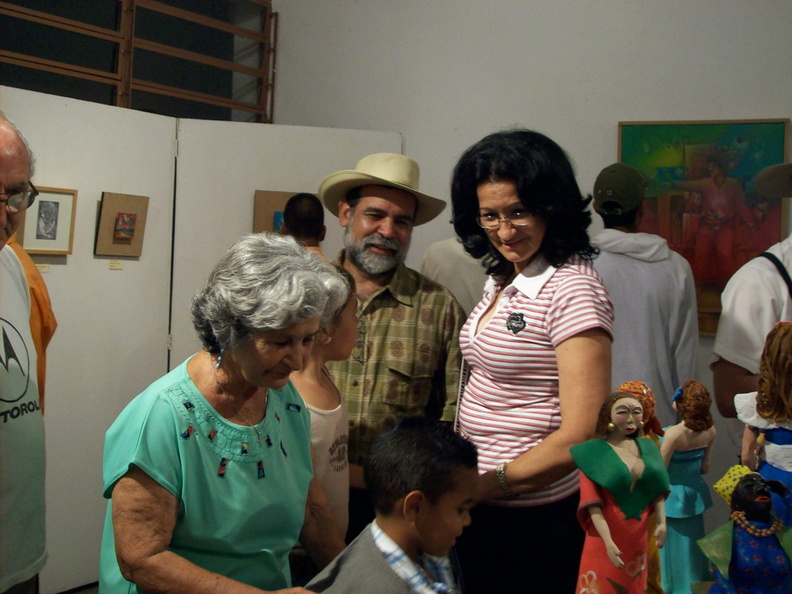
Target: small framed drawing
(122, 223)
(47, 226)
(701, 196)
(268, 210)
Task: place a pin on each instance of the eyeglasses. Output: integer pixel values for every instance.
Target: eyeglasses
(491, 221)
(19, 201)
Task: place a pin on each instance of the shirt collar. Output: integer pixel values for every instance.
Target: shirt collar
(437, 578)
(402, 285)
(529, 282)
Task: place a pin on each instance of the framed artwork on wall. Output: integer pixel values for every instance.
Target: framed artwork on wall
(701, 197)
(268, 210)
(47, 227)
(122, 224)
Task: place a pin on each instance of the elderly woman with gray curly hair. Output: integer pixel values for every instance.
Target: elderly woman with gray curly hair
(208, 470)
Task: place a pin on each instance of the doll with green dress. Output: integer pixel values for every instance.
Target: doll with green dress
(622, 480)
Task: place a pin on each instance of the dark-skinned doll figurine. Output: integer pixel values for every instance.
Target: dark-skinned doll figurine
(622, 480)
(751, 554)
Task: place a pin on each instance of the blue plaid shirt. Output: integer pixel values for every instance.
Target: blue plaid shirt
(435, 577)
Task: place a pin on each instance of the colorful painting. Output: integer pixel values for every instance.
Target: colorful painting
(701, 194)
(122, 225)
(125, 225)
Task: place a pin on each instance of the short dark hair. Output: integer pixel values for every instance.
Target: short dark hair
(720, 158)
(416, 454)
(303, 216)
(355, 195)
(547, 188)
(627, 219)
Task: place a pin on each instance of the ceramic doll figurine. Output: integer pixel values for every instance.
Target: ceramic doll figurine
(653, 430)
(686, 450)
(652, 427)
(751, 554)
(622, 479)
(767, 413)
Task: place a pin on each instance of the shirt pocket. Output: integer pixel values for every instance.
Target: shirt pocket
(409, 382)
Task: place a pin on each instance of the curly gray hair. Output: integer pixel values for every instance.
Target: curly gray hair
(264, 282)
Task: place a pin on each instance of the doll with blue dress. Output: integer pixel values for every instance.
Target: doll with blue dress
(686, 450)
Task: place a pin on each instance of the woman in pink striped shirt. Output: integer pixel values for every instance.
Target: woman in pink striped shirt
(539, 350)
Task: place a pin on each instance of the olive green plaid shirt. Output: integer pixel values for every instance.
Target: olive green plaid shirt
(406, 360)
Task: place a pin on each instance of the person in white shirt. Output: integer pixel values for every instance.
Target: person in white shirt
(755, 298)
(652, 291)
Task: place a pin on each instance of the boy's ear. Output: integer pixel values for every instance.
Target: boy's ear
(411, 506)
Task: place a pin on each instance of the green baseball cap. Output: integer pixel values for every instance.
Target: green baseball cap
(619, 189)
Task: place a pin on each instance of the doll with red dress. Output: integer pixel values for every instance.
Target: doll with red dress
(622, 480)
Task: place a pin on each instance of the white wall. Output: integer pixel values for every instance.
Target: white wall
(112, 337)
(112, 332)
(445, 73)
(220, 167)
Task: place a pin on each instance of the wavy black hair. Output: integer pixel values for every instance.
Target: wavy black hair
(547, 188)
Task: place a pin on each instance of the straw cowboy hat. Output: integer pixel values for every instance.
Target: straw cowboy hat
(775, 181)
(381, 169)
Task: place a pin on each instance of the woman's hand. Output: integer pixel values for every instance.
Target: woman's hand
(584, 364)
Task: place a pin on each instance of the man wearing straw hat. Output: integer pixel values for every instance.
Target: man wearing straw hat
(757, 296)
(406, 361)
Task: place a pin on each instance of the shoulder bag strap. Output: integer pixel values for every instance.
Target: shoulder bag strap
(781, 270)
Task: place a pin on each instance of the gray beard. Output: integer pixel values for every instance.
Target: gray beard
(369, 262)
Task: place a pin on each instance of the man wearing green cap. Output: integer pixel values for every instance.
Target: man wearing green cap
(655, 333)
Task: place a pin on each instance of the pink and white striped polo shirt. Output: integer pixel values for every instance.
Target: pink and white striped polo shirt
(511, 402)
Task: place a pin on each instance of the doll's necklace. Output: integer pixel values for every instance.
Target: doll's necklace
(739, 518)
(236, 410)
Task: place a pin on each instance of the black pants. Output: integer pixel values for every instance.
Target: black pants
(522, 550)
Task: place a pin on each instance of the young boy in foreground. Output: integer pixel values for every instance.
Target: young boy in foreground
(422, 480)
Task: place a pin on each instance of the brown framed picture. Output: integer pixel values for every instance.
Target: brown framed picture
(268, 210)
(47, 227)
(701, 196)
(122, 224)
